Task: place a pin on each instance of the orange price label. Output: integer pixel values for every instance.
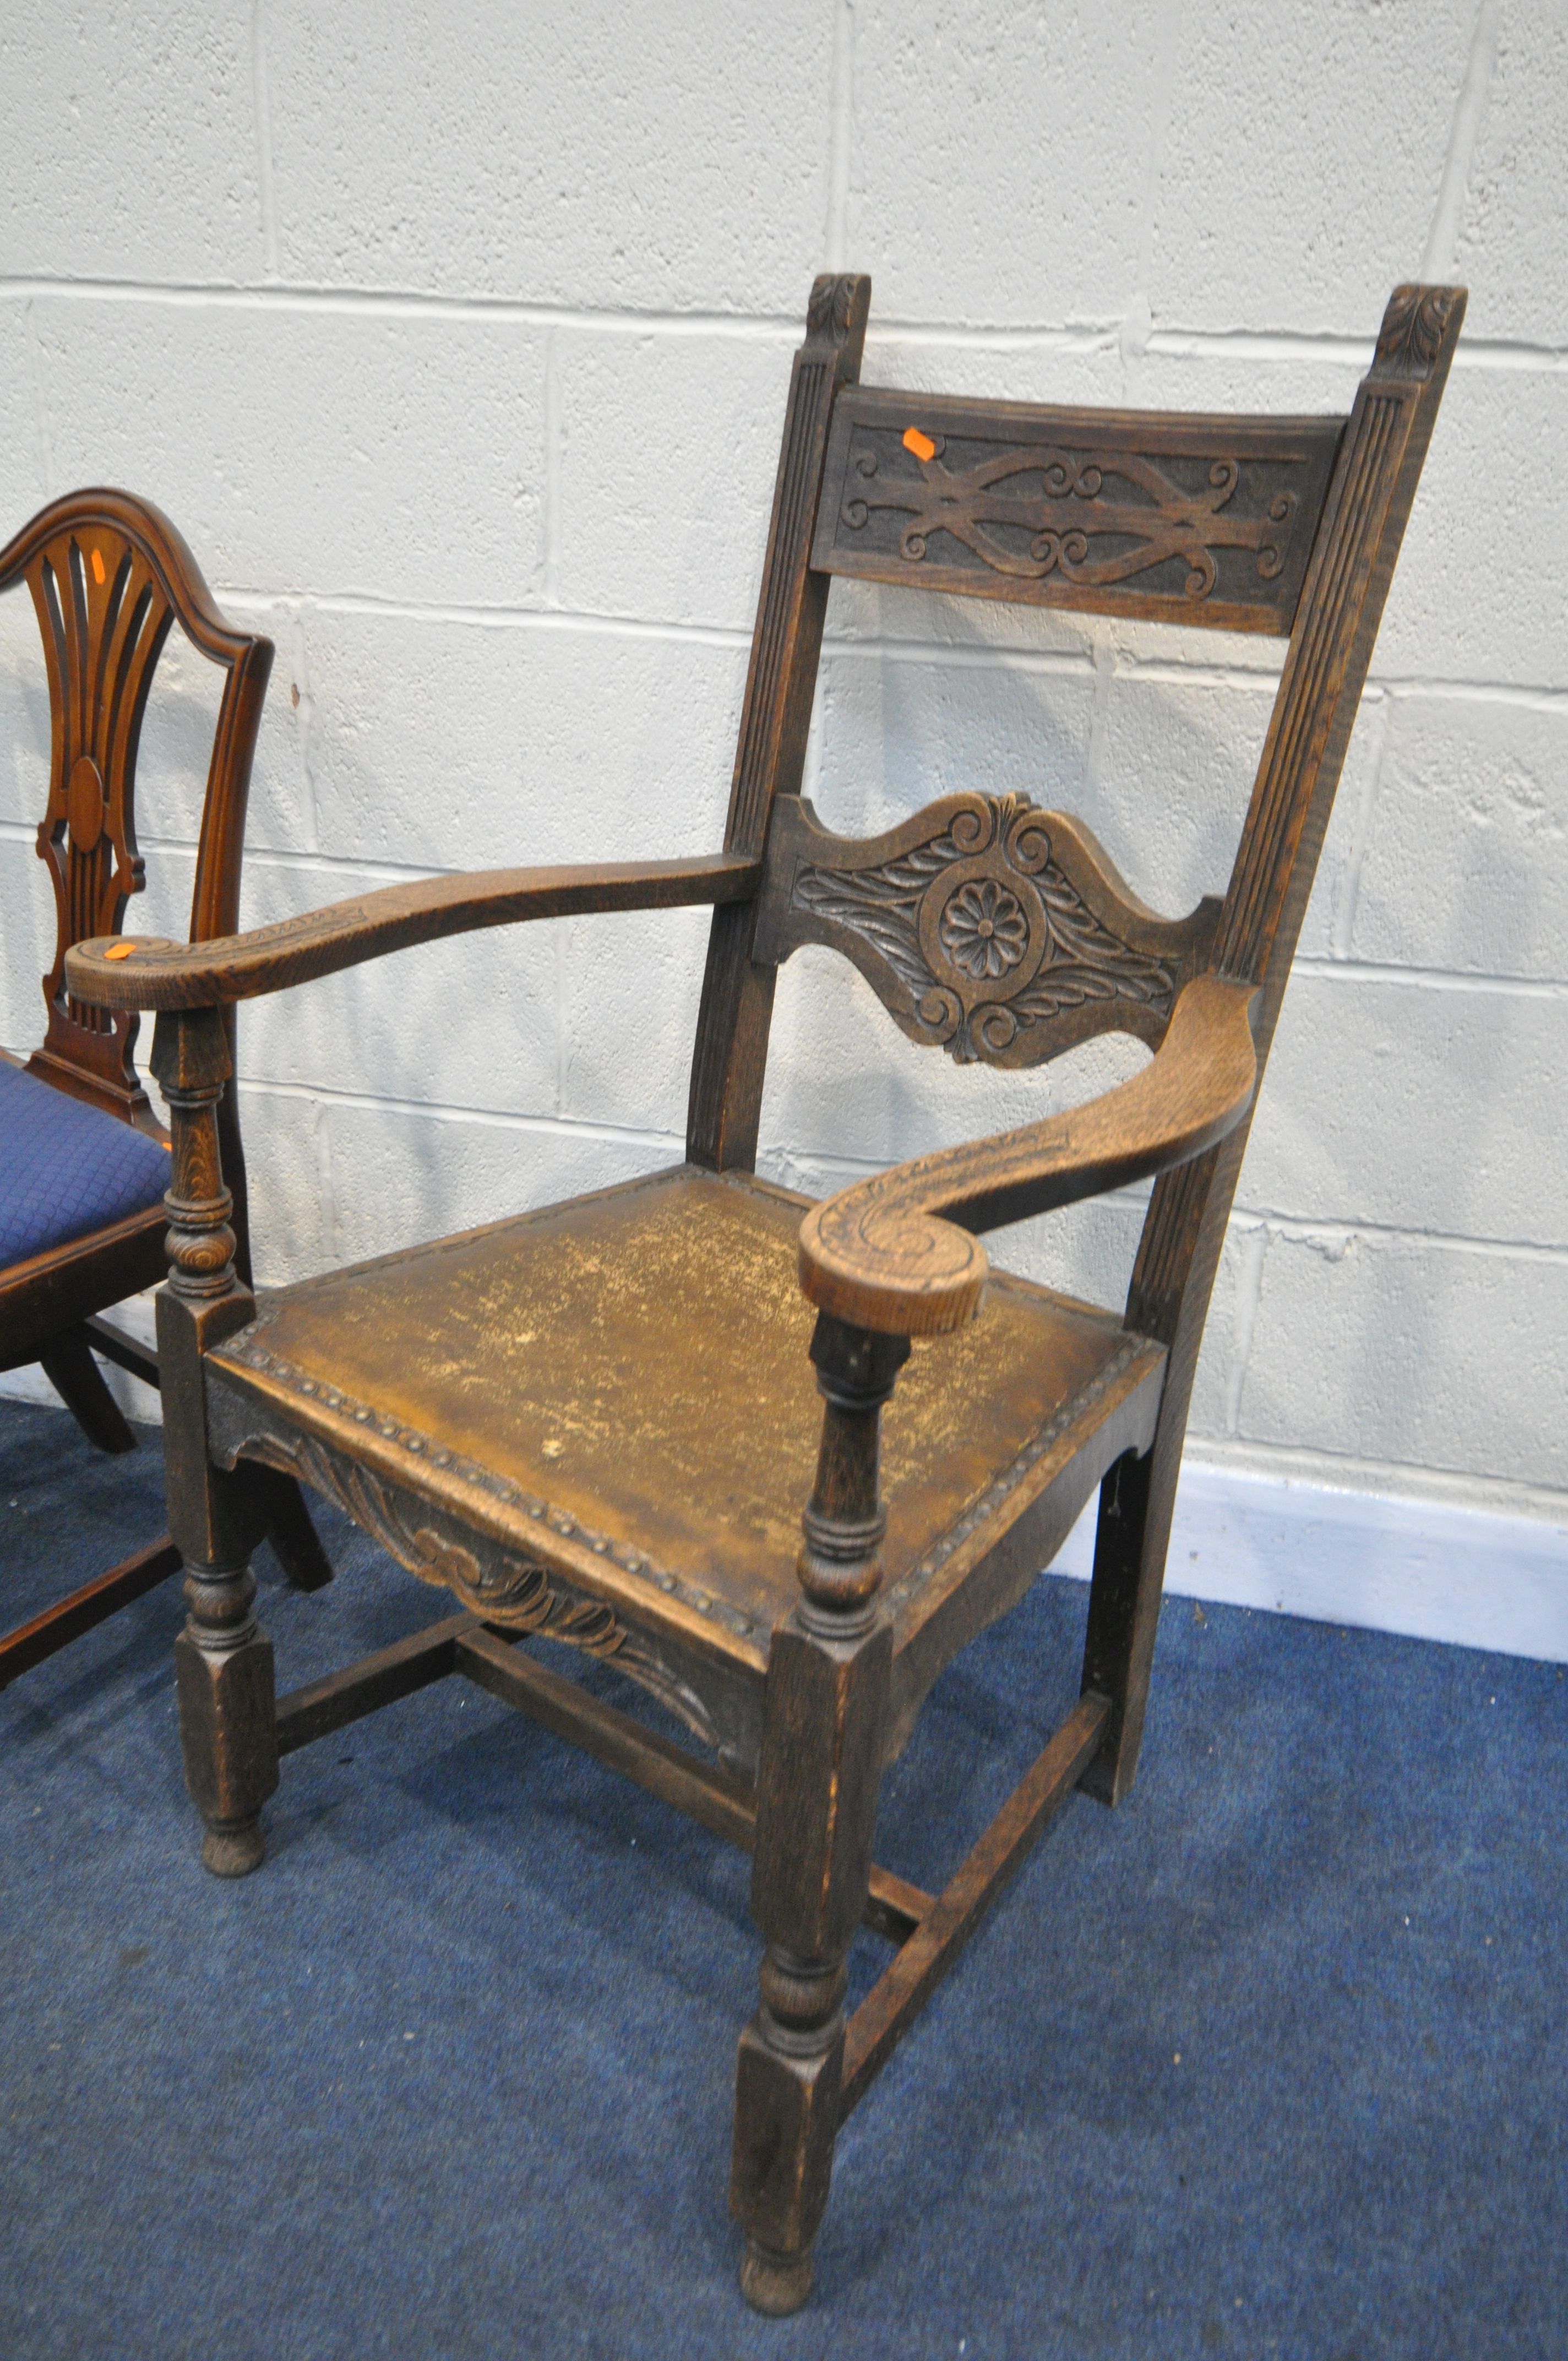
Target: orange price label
(921, 444)
(119, 950)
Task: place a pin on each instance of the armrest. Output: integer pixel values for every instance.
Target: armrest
(878, 1255)
(143, 971)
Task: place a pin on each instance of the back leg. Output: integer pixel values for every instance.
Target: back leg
(293, 1536)
(69, 1366)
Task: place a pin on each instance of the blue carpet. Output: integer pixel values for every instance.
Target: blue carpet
(1270, 2061)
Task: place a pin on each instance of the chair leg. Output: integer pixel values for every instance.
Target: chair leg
(1131, 1541)
(228, 1720)
(293, 1537)
(69, 1366)
(223, 1660)
(829, 1670)
(816, 1812)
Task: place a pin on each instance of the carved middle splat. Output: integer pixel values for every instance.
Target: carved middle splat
(104, 618)
(986, 927)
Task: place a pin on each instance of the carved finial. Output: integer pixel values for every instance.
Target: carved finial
(840, 305)
(1415, 326)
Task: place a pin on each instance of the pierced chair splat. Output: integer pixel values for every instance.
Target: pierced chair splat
(781, 1462)
(86, 1167)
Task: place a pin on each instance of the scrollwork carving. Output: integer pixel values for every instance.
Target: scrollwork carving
(981, 929)
(497, 1584)
(503, 1589)
(1073, 524)
(1195, 519)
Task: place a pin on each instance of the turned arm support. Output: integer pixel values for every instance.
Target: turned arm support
(880, 1256)
(142, 972)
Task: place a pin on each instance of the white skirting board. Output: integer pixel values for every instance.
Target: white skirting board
(1387, 1564)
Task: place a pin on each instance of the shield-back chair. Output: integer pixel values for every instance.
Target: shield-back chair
(595, 1423)
(84, 1161)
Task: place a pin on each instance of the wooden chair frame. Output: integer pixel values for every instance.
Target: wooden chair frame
(109, 577)
(1032, 941)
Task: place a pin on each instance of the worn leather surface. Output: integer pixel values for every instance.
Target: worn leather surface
(638, 1359)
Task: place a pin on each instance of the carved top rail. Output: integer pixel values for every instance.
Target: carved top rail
(1180, 518)
(985, 927)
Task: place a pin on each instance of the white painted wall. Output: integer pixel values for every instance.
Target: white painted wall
(455, 339)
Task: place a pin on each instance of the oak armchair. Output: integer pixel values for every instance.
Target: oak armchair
(628, 1463)
(84, 1161)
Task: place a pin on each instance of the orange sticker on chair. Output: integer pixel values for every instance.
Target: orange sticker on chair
(98, 567)
(119, 950)
(921, 444)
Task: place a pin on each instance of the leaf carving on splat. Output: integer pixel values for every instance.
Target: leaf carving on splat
(989, 934)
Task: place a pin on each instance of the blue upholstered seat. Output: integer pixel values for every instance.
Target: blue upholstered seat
(66, 1168)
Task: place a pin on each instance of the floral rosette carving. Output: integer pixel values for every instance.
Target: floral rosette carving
(985, 930)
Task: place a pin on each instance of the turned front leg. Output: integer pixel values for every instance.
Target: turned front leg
(817, 1793)
(223, 1659)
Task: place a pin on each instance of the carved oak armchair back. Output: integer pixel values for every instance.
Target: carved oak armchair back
(990, 929)
(109, 576)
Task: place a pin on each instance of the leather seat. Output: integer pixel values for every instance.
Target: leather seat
(592, 1379)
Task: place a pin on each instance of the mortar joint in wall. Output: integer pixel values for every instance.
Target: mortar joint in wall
(1253, 1250)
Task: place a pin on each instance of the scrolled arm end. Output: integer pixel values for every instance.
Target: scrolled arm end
(888, 1254)
(876, 1262)
(101, 970)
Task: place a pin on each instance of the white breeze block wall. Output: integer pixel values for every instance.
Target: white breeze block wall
(455, 339)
